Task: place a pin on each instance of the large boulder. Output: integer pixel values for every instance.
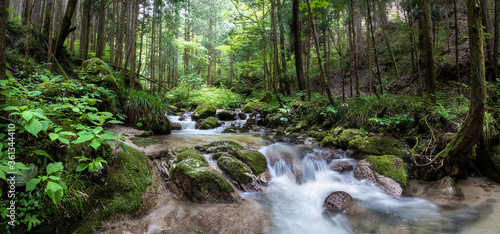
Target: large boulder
(388, 172)
(204, 111)
(227, 115)
(199, 182)
(210, 123)
(346, 136)
(96, 71)
(239, 173)
(254, 107)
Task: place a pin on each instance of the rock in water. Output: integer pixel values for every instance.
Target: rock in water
(388, 172)
(444, 192)
(342, 166)
(337, 202)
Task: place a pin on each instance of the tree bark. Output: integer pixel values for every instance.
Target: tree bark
(299, 70)
(85, 29)
(387, 42)
(275, 50)
(101, 31)
(134, 17)
(374, 47)
(3, 36)
(113, 34)
(488, 28)
(286, 81)
(354, 50)
(65, 29)
(430, 80)
(316, 43)
(496, 39)
(455, 13)
(470, 132)
(120, 33)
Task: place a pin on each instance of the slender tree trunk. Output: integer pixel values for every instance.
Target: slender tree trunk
(387, 42)
(47, 17)
(496, 40)
(120, 34)
(488, 28)
(275, 50)
(160, 63)
(74, 22)
(455, 13)
(297, 45)
(29, 8)
(3, 37)
(65, 29)
(133, 36)
(316, 43)
(101, 39)
(286, 80)
(358, 29)
(85, 31)
(430, 80)
(375, 53)
(354, 49)
(470, 132)
(152, 60)
(112, 37)
(143, 29)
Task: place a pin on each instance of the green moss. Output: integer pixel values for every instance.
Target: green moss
(377, 146)
(254, 107)
(143, 142)
(191, 154)
(302, 124)
(267, 97)
(254, 159)
(290, 129)
(204, 111)
(235, 169)
(128, 178)
(146, 134)
(96, 71)
(348, 135)
(209, 123)
(220, 146)
(390, 166)
(208, 179)
(327, 141)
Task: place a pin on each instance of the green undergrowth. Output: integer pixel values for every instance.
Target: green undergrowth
(220, 97)
(147, 111)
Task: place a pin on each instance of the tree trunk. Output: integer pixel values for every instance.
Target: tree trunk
(101, 39)
(47, 17)
(286, 81)
(120, 33)
(455, 13)
(3, 36)
(143, 29)
(430, 80)
(65, 29)
(133, 17)
(299, 70)
(358, 29)
(74, 23)
(113, 34)
(354, 50)
(488, 29)
(85, 31)
(496, 40)
(387, 42)
(275, 50)
(470, 132)
(374, 47)
(152, 62)
(316, 43)
(28, 9)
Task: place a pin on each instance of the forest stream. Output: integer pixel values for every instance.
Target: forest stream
(286, 206)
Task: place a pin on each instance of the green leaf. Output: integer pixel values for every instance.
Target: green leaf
(82, 167)
(67, 134)
(95, 143)
(2, 174)
(54, 167)
(80, 127)
(109, 136)
(27, 115)
(33, 126)
(97, 130)
(76, 109)
(83, 138)
(55, 191)
(64, 140)
(31, 185)
(115, 122)
(57, 129)
(125, 148)
(53, 136)
(54, 178)
(9, 108)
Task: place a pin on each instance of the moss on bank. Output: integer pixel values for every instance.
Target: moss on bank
(390, 166)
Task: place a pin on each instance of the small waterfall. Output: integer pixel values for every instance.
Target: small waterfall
(311, 164)
(185, 121)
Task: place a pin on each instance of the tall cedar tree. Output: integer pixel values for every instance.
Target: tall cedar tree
(297, 43)
(3, 36)
(430, 80)
(65, 29)
(470, 132)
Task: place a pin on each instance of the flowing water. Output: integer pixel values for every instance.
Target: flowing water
(301, 180)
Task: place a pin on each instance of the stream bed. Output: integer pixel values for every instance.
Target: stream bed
(288, 207)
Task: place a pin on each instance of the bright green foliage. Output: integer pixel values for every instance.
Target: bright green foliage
(147, 111)
(53, 186)
(219, 97)
(390, 166)
(94, 165)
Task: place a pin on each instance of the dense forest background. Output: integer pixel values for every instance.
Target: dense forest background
(423, 72)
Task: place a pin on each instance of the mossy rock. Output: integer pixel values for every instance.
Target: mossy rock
(327, 141)
(209, 123)
(254, 159)
(146, 134)
(126, 181)
(227, 115)
(230, 147)
(191, 154)
(235, 169)
(204, 111)
(377, 146)
(301, 125)
(96, 71)
(143, 142)
(254, 107)
(76, 150)
(348, 135)
(390, 166)
(267, 97)
(202, 183)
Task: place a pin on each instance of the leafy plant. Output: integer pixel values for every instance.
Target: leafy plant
(94, 165)
(53, 186)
